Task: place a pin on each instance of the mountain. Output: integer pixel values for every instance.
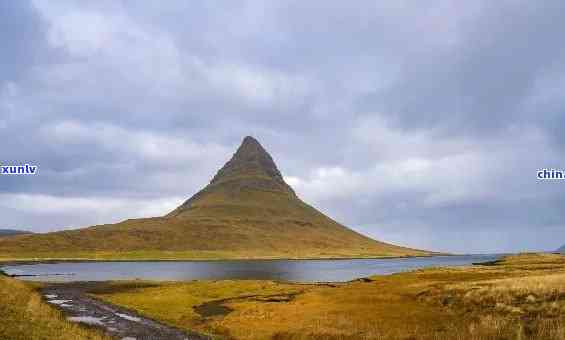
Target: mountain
(246, 211)
(12, 232)
(562, 249)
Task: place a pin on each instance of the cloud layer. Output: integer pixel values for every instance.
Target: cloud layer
(419, 124)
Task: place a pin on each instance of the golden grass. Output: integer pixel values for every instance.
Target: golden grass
(521, 290)
(523, 300)
(519, 298)
(23, 315)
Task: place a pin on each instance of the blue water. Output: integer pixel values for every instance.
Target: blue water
(282, 270)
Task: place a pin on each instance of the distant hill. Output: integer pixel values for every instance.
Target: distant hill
(246, 211)
(12, 232)
(562, 249)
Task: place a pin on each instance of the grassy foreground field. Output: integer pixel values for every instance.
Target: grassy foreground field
(23, 315)
(522, 297)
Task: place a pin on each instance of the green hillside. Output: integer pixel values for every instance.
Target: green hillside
(247, 211)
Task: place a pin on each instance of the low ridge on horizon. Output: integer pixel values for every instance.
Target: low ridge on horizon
(246, 211)
(12, 232)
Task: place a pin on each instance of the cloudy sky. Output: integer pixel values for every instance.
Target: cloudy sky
(418, 123)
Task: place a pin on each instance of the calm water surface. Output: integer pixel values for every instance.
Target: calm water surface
(282, 270)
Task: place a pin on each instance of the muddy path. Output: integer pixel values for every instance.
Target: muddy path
(118, 322)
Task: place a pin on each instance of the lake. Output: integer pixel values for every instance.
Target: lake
(281, 270)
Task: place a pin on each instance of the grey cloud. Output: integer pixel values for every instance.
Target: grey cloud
(120, 102)
(480, 84)
(21, 31)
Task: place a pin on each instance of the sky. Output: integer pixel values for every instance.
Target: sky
(417, 123)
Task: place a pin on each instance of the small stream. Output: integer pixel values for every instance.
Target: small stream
(118, 322)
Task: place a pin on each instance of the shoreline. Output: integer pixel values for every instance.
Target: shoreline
(21, 262)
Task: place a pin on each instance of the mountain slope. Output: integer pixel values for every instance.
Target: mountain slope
(247, 211)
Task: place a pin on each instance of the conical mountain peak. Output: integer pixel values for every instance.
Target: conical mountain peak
(251, 168)
(251, 142)
(250, 159)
